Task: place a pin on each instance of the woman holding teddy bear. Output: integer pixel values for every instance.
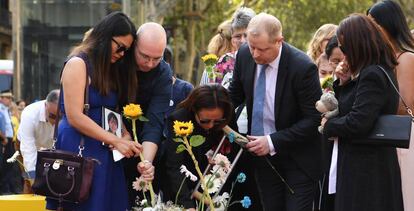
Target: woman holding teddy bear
(367, 177)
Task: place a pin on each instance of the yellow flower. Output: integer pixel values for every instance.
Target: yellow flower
(132, 111)
(183, 129)
(210, 59)
(327, 83)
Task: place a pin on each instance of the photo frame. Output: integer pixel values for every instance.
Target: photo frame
(112, 121)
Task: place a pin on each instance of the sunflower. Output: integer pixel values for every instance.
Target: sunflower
(210, 59)
(183, 129)
(132, 111)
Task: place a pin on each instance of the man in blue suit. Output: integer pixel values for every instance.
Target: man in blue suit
(280, 86)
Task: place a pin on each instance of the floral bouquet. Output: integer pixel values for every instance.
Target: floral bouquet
(210, 62)
(134, 112)
(224, 69)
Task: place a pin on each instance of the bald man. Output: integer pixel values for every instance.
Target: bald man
(153, 94)
(280, 86)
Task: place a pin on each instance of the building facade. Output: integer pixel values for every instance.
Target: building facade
(44, 32)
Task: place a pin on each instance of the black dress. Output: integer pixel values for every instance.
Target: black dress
(368, 177)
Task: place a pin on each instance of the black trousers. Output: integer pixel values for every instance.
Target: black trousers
(11, 180)
(273, 192)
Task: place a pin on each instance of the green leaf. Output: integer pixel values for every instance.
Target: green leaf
(197, 140)
(178, 140)
(180, 148)
(143, 119)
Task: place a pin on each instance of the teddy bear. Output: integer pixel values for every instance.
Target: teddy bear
(328, 106)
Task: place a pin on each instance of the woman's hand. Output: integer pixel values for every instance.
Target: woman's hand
(146, 169)
(342, 72)
(323, 121)
(127, 148)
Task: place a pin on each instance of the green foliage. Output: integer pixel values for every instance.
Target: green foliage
(300, 20)
(180, 148)
(143, 119)
(178, 140)
(197, 140)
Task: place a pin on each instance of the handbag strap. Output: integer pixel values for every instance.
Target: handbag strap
(86, 107)
(409, 111)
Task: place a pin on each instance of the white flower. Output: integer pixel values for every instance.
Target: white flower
(213, 183)
(219, 172)
(140, 184)
(220, 201)
(143, 202)
(209, 154)
(13, 158)
(223, 161)
(221, 198)
(188, 173)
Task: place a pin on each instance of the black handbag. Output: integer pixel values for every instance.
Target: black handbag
(62, 175)
(391, 130)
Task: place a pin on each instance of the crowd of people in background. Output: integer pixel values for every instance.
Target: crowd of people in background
(263, 87)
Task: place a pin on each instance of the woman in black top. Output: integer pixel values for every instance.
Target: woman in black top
(209, 108)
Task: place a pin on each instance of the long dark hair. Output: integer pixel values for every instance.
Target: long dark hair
(364, 43)
(98, 46)
(389, 15)
(209, 96)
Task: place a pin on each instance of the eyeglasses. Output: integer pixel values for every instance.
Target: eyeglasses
(120, 48)
(148, 58)
(208, 121)
(52, 116)
(239, 36)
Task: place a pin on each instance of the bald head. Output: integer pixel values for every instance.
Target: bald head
(153, 33)
(151, 43)
(264, 23)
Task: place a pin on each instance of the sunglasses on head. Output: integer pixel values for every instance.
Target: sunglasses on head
(120, 48)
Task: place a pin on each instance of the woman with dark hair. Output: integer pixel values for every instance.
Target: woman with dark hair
(209, 108)
(368, 176)
(389, 15)
(96, 59)
(332, 51)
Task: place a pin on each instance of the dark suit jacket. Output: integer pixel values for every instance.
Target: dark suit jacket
(296, 118)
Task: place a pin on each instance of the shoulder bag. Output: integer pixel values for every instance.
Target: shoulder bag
(391, 130)
(62, 175)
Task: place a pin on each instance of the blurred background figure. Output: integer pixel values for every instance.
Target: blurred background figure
(319, 40)
(219, 45)
(389, 16)
(11, 181)
(36, 130)
(21, 104)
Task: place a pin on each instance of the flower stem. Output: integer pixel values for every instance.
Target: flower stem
(179, 190)
(141, 156)
(25, 171)
(230, 196)
(190, 151)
